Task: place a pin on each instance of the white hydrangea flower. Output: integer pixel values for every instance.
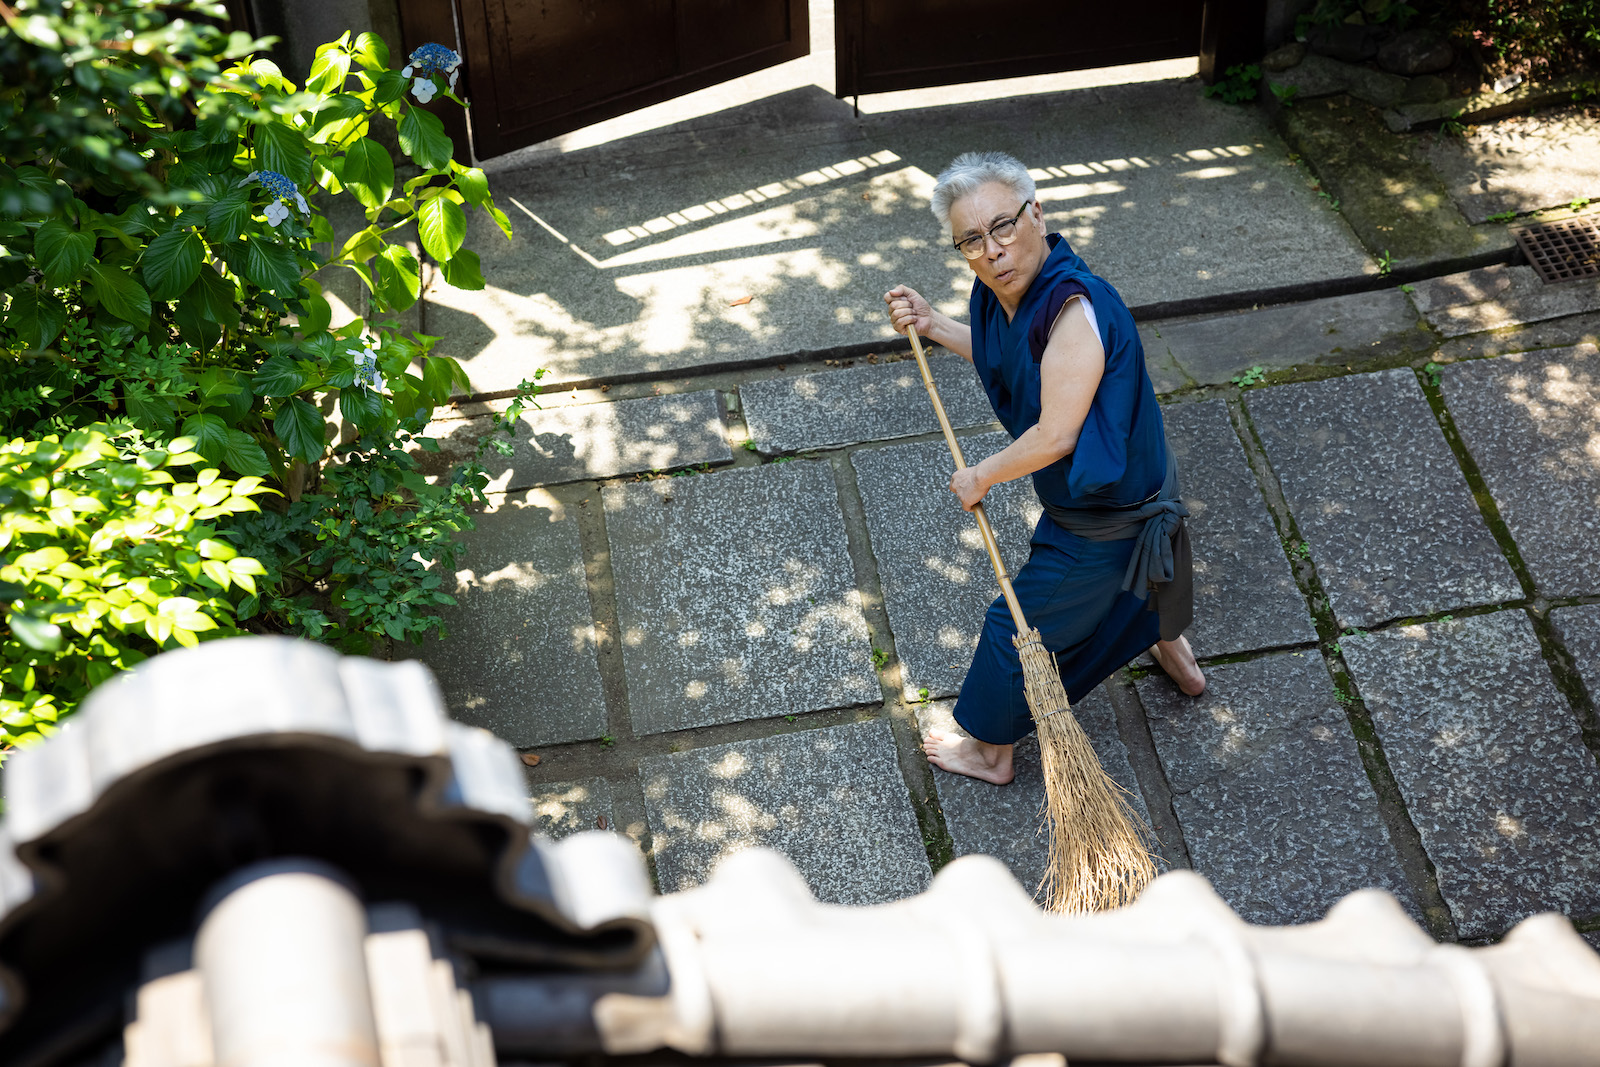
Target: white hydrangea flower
(300, 199)
(423, 89)
(367, 374)
(276, 212)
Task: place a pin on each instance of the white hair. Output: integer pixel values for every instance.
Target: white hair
(970, 170)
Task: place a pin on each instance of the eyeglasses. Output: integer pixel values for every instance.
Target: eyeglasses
(1003, 233)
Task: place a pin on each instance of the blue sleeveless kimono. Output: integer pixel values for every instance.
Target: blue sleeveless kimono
(1071, 587)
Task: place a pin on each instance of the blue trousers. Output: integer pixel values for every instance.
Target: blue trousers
(1071, 591)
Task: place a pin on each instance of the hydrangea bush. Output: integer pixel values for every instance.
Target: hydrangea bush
(164, 251)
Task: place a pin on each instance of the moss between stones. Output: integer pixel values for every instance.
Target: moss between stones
(1390, 197)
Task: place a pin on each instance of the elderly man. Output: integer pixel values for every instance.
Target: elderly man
(1058, 353)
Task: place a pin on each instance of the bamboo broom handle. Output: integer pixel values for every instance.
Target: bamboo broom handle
(961, 464)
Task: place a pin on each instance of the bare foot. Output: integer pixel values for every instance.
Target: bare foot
(968, 756)
(1176, 658)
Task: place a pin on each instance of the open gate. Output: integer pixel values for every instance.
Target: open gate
(535, 69)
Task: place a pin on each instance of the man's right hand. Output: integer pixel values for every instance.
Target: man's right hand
(907, 308)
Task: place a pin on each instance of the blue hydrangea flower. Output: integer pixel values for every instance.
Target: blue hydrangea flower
(367, 374)
(428, 62)
(282, 190)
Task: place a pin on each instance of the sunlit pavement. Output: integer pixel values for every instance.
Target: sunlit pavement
(1394, 484)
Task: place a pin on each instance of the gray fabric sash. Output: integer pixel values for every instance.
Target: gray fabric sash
(1161, 569)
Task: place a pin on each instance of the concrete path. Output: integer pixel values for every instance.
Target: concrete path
(720, 589)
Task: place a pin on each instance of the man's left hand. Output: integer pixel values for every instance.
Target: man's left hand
(969, 486)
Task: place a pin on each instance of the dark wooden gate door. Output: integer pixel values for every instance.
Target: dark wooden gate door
(538, 68)
(884, 45)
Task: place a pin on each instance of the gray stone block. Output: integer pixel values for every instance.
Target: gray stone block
(1579, 629)
(563, 808)
(1377, 494)
(936, 577)
(865, 403)
(1593, 938)
(1497, 296)
(1268, 786)
(580, 441)
(1490, 762)
(1165, 374)
(832, 800)
(1521, 163)
(1321, 76)
(1529, 422)
(1004, 821)
(736, 597)
(1244, 593)
(1337, 329)
(520, 655)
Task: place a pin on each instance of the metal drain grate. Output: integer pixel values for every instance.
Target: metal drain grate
(1564, 250)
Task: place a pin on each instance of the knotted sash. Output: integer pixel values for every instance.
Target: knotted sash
(1161, 569)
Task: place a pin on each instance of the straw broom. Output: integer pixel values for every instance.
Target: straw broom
(1097, 857)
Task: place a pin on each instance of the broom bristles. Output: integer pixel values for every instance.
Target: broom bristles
(1098, 857)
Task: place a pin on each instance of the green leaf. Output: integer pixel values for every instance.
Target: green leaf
(328, 70)
(442, 225)
(195, 326)
(463, 270)
(362, 245)
(318, 313)
(244, 455)
(121, 294)
(422, 137)
(62, 252)
(37, 316)
(283, 149)
(278, 376)
(37, 634)
(210, 435)
(474, 185)
(228, 215)
(172, 263)
(300, 427)
(361, 406)
(369, 173)
(399, 277)
(500, 220)
(371, 52)
(272, 266)
(391, 87)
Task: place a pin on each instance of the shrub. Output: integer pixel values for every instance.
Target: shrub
(164, 246)
(107, 559)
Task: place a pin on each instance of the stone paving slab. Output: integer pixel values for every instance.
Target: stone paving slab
(564, 808)
(1489, 759)
(1338, 329)
(736, 597)
(936, 577)
(1004, 820)
(1245, 596)
(1268, 786)
(864, 403)
(832, 800)
(1531, 423)
(1579, 629)
(520, 655)
(1165, 374)
(1377, 493)
(631, 266)
(581, 441)
(1521, 163)
(1498, 296)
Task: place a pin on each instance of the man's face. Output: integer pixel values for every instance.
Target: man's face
(1006, 269)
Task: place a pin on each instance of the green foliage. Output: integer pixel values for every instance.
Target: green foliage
(1237, 84)
(163, 257)
(1535, 37)
(107, 559)
(1250, 377)
(1385, 262)
(1330, 13)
